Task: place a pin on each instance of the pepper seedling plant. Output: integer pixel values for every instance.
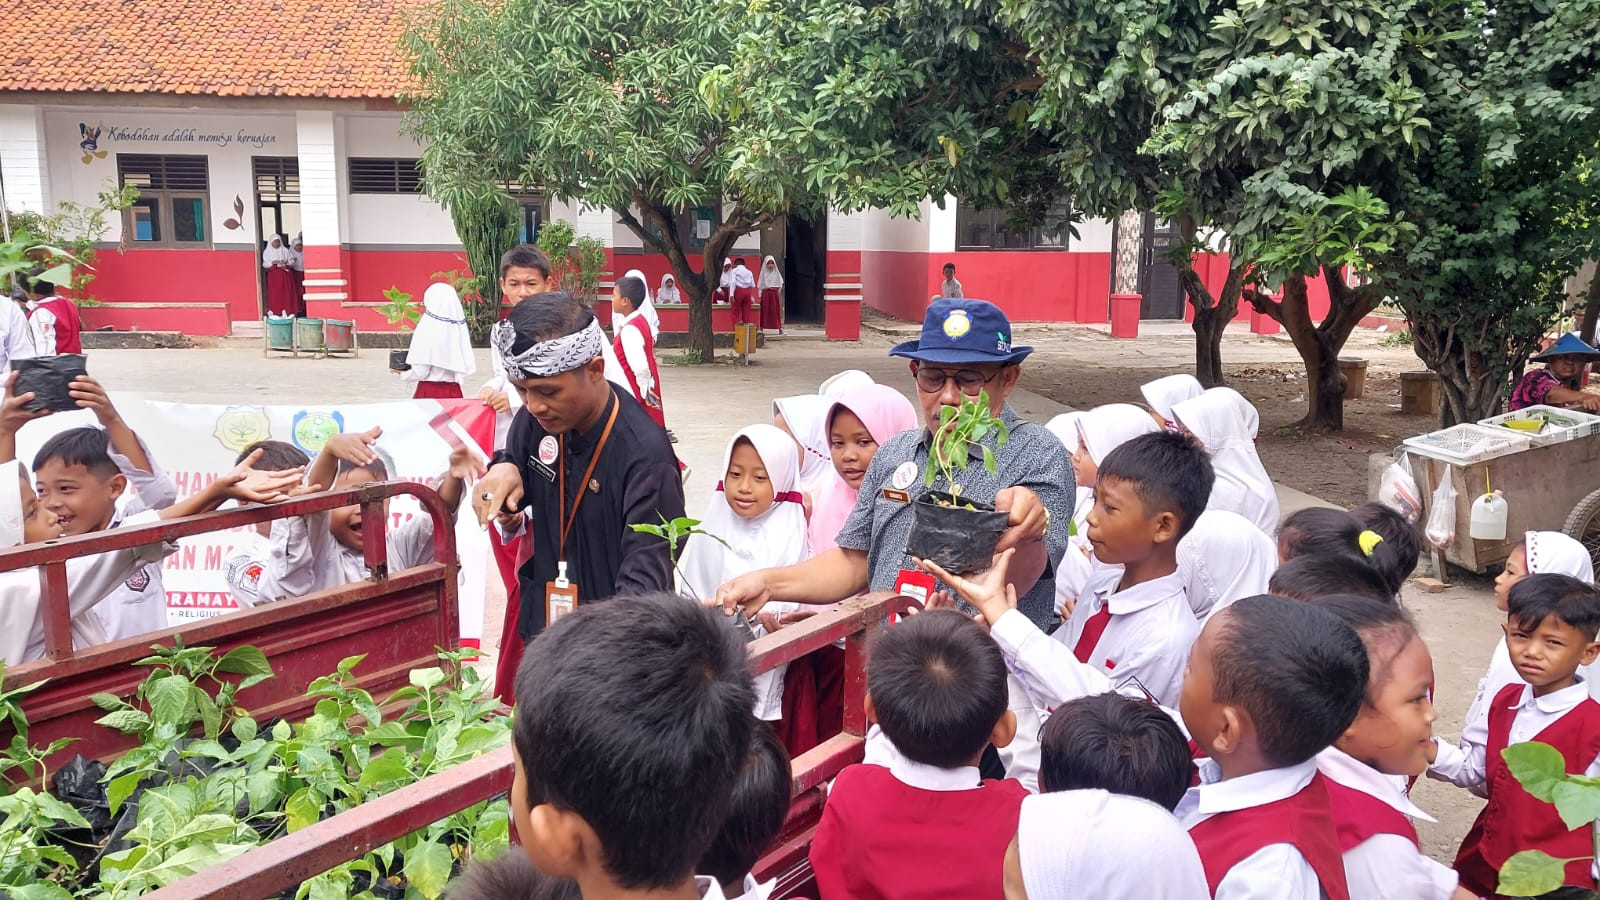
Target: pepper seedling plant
(959, 437)
(1542, 771)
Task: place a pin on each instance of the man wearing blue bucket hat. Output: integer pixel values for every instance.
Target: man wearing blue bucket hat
(1560, 383)
(965, 349)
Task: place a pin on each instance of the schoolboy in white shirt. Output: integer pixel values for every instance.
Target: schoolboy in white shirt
(1135, 623)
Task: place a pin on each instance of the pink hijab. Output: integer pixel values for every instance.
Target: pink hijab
(886, 412)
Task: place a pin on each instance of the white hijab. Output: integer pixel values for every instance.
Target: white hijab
(839, 384)
(1226, 423)
(298, 251)
(1224, 558)
(1110, 426)
(807, 418)
(649, 307)
(1096, 844)
(1165, 393)
(273, 255)
(770, 278)
(668, 292)
(777, 537)
(1065, 428)
(726, 279)
(441, 340)
(1554, 553)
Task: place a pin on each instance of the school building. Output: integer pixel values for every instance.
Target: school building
(237, 122)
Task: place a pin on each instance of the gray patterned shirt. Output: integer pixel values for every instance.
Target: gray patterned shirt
(1032, 458)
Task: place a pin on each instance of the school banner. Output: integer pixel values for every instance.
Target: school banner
(195, 443)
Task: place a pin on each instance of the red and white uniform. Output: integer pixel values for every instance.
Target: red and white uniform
(1265, 835)
(1142, 633)
(1373, 816)
(56, 326)
(1514, 820)
(635, 349)
(914, 830)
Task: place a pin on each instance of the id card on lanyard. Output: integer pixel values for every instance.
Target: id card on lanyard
(561, 595)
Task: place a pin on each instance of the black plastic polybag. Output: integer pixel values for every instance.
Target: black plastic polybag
(48, 377)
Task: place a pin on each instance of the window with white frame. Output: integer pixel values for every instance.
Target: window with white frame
(174, 202)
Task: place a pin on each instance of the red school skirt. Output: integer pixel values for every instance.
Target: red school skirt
(437, 390)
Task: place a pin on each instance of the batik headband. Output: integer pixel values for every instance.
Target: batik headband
(546, 358)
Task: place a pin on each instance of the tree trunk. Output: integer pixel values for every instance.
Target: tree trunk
(1319, 343)
(1211, 314)
(1471, 393)
(1591, 309)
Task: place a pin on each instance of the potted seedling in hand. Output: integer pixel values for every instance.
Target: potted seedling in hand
(948, 528)
(403, 315)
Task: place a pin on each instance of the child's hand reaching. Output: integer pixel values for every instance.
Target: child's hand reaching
(253, 486)
(355, 448)
(989, 592)
(465, 465)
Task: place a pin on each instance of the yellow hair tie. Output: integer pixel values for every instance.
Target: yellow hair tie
(1369, 541)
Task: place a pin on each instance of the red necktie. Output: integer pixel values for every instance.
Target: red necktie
(1090, 637)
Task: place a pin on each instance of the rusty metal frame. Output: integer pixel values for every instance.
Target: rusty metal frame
(292, 859)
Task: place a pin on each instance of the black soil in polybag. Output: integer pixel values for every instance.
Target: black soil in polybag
(47, 377)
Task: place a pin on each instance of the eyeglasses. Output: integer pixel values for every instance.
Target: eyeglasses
(970, 381)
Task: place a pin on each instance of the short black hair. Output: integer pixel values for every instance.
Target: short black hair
(1396, 555)
(551, 314)
(633, 289)
(1320, 529)
(511, 874)
(635, 714)
(1297, 670)
(1385, 629)
(1311, 576)
(380, 469)
(1574, 602)
(1170, 472)
(275, 456)
(950, 266)
(738, 260)
(938, 686)
(761, 795)
(524, 256)
(87, 446)
(1117, 744)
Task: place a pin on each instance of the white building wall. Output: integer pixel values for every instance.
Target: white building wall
(24, 170)
(1094, 236)
(385, 221)
(881, 231)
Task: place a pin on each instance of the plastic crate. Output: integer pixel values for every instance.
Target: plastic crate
(1559, 424)
(1466, 444)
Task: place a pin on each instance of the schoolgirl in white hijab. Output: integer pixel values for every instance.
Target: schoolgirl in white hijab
(1078, 845)
(276, 253)
(1092, 435)
(649, 307)
(1226, 424)
(1165, 393)
(668, 292)
(772, 537)
(1224, 558)
(1541, 553)
(441, 346)
(840, 384)
(805, 417)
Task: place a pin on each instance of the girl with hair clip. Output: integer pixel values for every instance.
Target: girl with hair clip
(1320, 529)
(1540, 553)
(1387, 744)
(756, 519)
(1226, 424)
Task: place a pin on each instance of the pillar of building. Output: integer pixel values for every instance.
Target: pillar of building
(327, 282)
(1125, 297)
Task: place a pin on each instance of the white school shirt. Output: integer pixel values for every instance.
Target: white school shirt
(1386, 865)
(249, 570)
(1467, 765)
(756, 890)
(633, 349)
(90, 580)
(1148, 637)
(1276, 871)
(950, 288)
(742, 278)
(16, 337)
(139, 604)
(306, 557)
(42, 323)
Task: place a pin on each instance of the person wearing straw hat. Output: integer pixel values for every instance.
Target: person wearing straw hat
(1560, 382)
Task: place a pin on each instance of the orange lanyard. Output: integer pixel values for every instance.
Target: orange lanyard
(566, 527)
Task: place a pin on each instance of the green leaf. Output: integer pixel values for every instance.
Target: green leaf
(244, 729)
(245, 660)
(428, 678)
(1578, 804)
(39, 890)
(281, 731)
(169, 700)
(427, 867)
(1531, 873)
(349, 663)
(1539, 768)
(304, 808)
(390, 767)
(263, 788)
(108, 701)
(126, 721)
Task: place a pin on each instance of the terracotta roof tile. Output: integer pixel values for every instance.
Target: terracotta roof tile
(345, 49)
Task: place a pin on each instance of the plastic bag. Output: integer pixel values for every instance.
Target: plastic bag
(1398, 490)
(1441, 528)
(48, 377)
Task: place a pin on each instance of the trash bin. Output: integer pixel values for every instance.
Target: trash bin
(1355, 376)
(336, 335)
(280, 332)
(308, 334)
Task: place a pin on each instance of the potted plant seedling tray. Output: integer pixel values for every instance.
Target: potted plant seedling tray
(947, 528)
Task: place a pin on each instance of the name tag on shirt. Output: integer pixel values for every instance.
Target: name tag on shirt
(548, 473)
(895, 496)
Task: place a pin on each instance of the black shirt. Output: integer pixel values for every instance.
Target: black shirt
(636, 482)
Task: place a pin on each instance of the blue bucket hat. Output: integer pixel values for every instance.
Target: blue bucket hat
(1570, 345)
(959, 331)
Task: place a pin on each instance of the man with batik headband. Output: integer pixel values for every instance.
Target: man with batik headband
(584, 460)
